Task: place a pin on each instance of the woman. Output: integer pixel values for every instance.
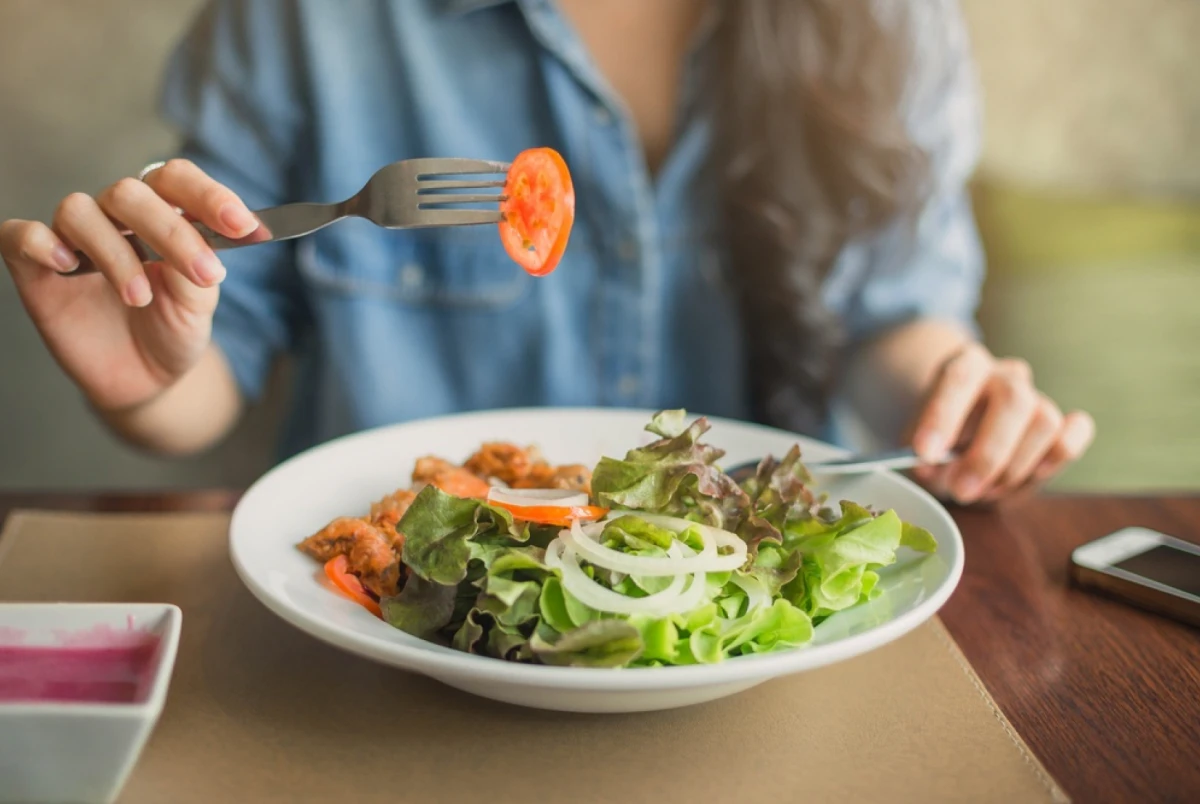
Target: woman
(771, 223)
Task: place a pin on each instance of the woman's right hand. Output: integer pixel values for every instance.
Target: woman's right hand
(129, 332)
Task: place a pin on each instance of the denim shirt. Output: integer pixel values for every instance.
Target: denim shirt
(302, 100)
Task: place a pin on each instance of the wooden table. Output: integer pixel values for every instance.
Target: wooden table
(1107, 696)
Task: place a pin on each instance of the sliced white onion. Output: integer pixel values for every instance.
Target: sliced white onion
(553, 557)
(584, 542)
(526, 498)
(692, 597)
(590, 593)
(672, 600)
(755, 591)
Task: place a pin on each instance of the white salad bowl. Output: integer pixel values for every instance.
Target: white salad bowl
(82, 751)
(345, 476)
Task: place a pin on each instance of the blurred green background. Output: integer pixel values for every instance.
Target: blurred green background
(1088, 198)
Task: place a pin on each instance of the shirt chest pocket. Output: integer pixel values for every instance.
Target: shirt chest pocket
(463, 267)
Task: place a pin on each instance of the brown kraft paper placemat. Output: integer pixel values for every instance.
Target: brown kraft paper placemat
(261, 712)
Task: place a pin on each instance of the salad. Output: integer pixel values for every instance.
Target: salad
(658, 558)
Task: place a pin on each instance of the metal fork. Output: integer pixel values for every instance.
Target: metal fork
(904, 458)
(402, 195)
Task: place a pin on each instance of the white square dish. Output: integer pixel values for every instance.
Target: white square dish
(81, 688)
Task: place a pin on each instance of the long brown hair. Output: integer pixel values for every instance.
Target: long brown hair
(811, 140)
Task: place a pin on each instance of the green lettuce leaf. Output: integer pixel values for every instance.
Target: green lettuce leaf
(512, 587)
(552, 605)
(917, 538)
(774, 566)
(635, 533)
(836, 571)
(422, 608)
(703, 646)
(600, 643)
(776, 626)
(778, 487)
(676, 475)
(507, 642)
(440, 530)
(469, 637)
(660, 639)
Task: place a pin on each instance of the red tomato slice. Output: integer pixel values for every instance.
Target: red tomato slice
(338, 572)
(560, 515)
(538, 211)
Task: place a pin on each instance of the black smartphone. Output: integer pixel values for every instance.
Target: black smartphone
(1145, 568)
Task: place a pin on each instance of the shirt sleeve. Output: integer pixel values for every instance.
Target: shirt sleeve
(931, 267)
(231, 90)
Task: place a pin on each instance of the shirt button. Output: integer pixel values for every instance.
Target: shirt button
(411, 276)
(627, 249)
(628, 385)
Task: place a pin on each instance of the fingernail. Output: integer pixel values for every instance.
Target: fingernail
(64, 258)
(968, 487)
(137, 292)
(209, 269)
(237, 219)
(930, 446)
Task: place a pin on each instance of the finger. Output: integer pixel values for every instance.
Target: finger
(184, 185)
(933, 479)
(31, 247)
(141, 209)
(1078, 432)
(80, 220)
(1009, 405)
(941, 482)
(954, 396)
(925, 473)
(1043, 431)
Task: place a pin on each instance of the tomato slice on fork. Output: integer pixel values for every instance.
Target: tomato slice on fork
(538, 210)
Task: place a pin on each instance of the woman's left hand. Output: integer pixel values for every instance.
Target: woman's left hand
(1007, 434)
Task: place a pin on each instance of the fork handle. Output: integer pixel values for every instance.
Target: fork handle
(275, 223)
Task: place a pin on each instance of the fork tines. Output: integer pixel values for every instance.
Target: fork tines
(432, 191)
(438, 195)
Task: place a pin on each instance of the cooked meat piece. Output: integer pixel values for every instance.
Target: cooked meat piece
(393, 506)
(386, 523)
(372, 553)
(334, 539)
(506, 462)
(573, 476)
(540, 476)
(376, 562)
(430, 467)
(461, 483)
(544, 476)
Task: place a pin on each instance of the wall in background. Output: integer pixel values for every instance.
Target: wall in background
(1088, 198)
(1094, 97)
(1097, 96)
(78, 86)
